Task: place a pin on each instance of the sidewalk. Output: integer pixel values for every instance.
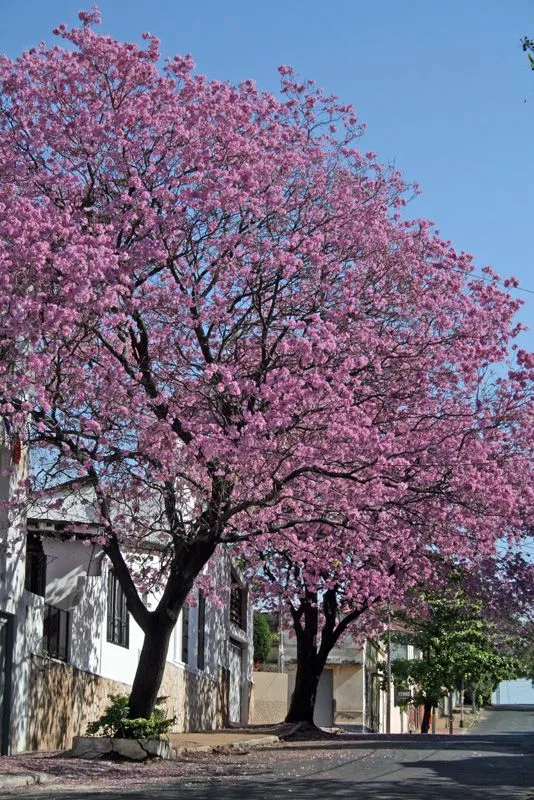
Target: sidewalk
(227, 740)
(470, 721)
(18, 780)
(191, 751)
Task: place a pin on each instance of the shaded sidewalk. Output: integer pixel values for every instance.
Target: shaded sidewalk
(36, 768)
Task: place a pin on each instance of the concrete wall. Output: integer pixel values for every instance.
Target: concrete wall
(272, 692)
(349, 690)
(399, 719)
(269, 698)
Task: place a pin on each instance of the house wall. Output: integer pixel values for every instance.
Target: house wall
(268, 703)
(349, 688)
(24, 611)
(64, 699)
(52, 700)
(12, 530)
(91, 651)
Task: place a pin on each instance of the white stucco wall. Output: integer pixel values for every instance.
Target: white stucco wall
(12, 530)
(23, 607)
(77, 583)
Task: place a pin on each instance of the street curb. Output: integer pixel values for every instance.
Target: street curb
(240, 746)
(17, 781)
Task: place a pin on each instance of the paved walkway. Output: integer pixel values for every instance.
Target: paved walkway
(39, 768)
(215, 740)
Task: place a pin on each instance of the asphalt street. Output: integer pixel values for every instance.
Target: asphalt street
(495, 761)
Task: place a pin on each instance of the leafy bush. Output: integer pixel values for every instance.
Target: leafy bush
(115, 722)
(262, 638)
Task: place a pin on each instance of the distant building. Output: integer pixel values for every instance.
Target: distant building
(518, 692)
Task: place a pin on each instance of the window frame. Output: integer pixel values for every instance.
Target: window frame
(184, 643)
(35, 565)
(238, 603)
(117, 615)
(56, 632)
(201, 631)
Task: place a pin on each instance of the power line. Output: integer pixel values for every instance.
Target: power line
(493, 280)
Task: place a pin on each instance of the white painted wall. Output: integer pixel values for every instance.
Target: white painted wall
(25, 608)
(75, 583)
(67, 582)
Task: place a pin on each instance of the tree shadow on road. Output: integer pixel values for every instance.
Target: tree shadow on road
(438, 785)
(488, 741)
(477, 777)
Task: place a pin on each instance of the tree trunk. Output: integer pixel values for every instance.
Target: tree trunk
(427, 717)
(310, 658)
(158, 626)
(303, 700)
(149, 673)
(309, 663)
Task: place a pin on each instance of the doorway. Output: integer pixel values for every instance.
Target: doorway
(324, 701)
(234, 704)
(6, 666)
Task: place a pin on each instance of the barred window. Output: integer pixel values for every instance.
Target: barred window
(201, 637)
(35, 578)
(56, 632)
(238, 607)
(118, 628)
(185, 633)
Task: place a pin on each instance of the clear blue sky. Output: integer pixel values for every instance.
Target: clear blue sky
(441, 85)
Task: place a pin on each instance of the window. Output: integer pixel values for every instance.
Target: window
(35, 579)
(201, 630)
(238, 613)
(118, 619)
(185, 633)
(56, 632)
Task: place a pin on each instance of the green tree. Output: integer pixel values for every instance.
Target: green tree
(262, 638)
(528, 48)
(457, 644)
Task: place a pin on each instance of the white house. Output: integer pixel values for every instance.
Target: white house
(67, 641)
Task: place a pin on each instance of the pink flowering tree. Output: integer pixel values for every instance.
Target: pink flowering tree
(212, 313)
(335, 587)
(397, 533)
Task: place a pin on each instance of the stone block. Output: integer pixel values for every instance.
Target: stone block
(92, 747)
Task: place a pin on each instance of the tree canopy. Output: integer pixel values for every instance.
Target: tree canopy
(214, 314)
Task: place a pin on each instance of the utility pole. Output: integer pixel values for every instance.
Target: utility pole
(281, 660)
(462, 704)
(388, 708)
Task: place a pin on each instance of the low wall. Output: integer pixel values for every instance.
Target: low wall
(64, 699)
(198, 702)
(269, 698)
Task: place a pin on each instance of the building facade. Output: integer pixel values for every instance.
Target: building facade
(67, 640)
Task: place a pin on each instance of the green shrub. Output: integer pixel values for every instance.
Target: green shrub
(115, 722)
(262, 638)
